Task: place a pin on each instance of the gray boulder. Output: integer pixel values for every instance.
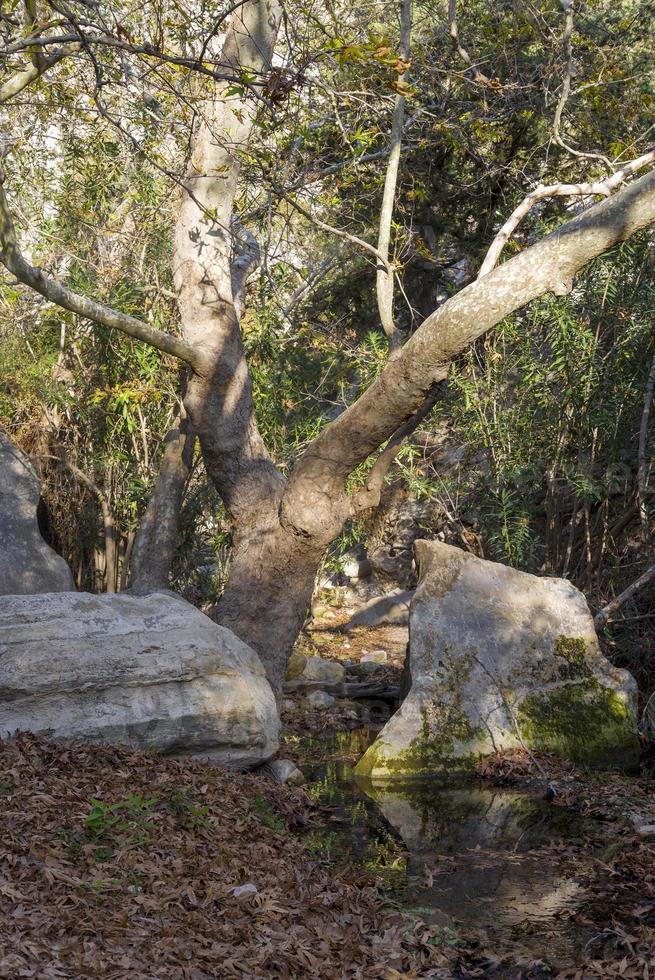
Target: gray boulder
(314, 673)
(149, 671)
(27, 564)
(320, 700)
(389, 609)
(501, 659)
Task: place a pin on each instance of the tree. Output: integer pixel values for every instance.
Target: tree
(284, 524)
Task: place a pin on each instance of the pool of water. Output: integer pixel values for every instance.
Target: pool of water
(463, 855)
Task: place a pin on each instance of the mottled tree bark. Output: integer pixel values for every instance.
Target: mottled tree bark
(219, 398)
(156, 539)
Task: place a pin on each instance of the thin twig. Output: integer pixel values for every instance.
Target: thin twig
(385, 270)
(642, 470)
(606, 612)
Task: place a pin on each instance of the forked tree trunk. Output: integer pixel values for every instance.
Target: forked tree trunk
(282, 528)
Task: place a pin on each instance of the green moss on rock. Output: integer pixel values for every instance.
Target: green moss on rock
(572, 652)
(588, 723)
(432, 751)
(295, 666)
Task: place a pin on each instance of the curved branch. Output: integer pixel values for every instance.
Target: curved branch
(602, 617)
(547, 266)
(22, 79)
(54, 291)
(566, 90)
(324, 226)
(385, 272)
(478, 76)
(369, 495)
(603, 187)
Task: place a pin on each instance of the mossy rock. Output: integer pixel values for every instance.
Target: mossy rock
(499, 660)
(590, 724)
(296, 665)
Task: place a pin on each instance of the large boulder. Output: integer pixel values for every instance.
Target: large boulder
(27, 564)
(501, 659)
(149, 671)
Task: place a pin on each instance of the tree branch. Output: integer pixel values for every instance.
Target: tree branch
(603, 187)
(642, 471)
(457, 44)
(566, 90)
(369, 496)
(54, 291)
(385, 271)
(22, 79)
(547, 266)
(324, 226)
(602, 617)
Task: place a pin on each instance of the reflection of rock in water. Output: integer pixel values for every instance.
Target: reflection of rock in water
(456, 820)
(472, 854)
(430, 816)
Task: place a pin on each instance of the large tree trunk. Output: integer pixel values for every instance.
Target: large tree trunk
(282, 530)
(268, 594)
(210, 264)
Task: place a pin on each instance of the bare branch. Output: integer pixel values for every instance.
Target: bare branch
(54, 291)
(547, 266)
(339, 232)
(22, 79)
(603, 187)
(642, 470)
(457, 44)
(601, 618)
(385, 270)
(369, 495)
(566, 90)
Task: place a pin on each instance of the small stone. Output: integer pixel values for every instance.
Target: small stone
(295, 666)
(288, 704)
(284, 771)
(316, 670)
(320, 700)
(243, 891)
(375, 657)
(390, 609)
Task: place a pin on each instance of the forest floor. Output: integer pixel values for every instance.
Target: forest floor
(115, 863)
(120, 864)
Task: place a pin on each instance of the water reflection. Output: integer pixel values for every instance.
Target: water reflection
(474, 856)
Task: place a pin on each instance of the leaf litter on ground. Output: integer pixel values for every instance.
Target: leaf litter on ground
(116, 863)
